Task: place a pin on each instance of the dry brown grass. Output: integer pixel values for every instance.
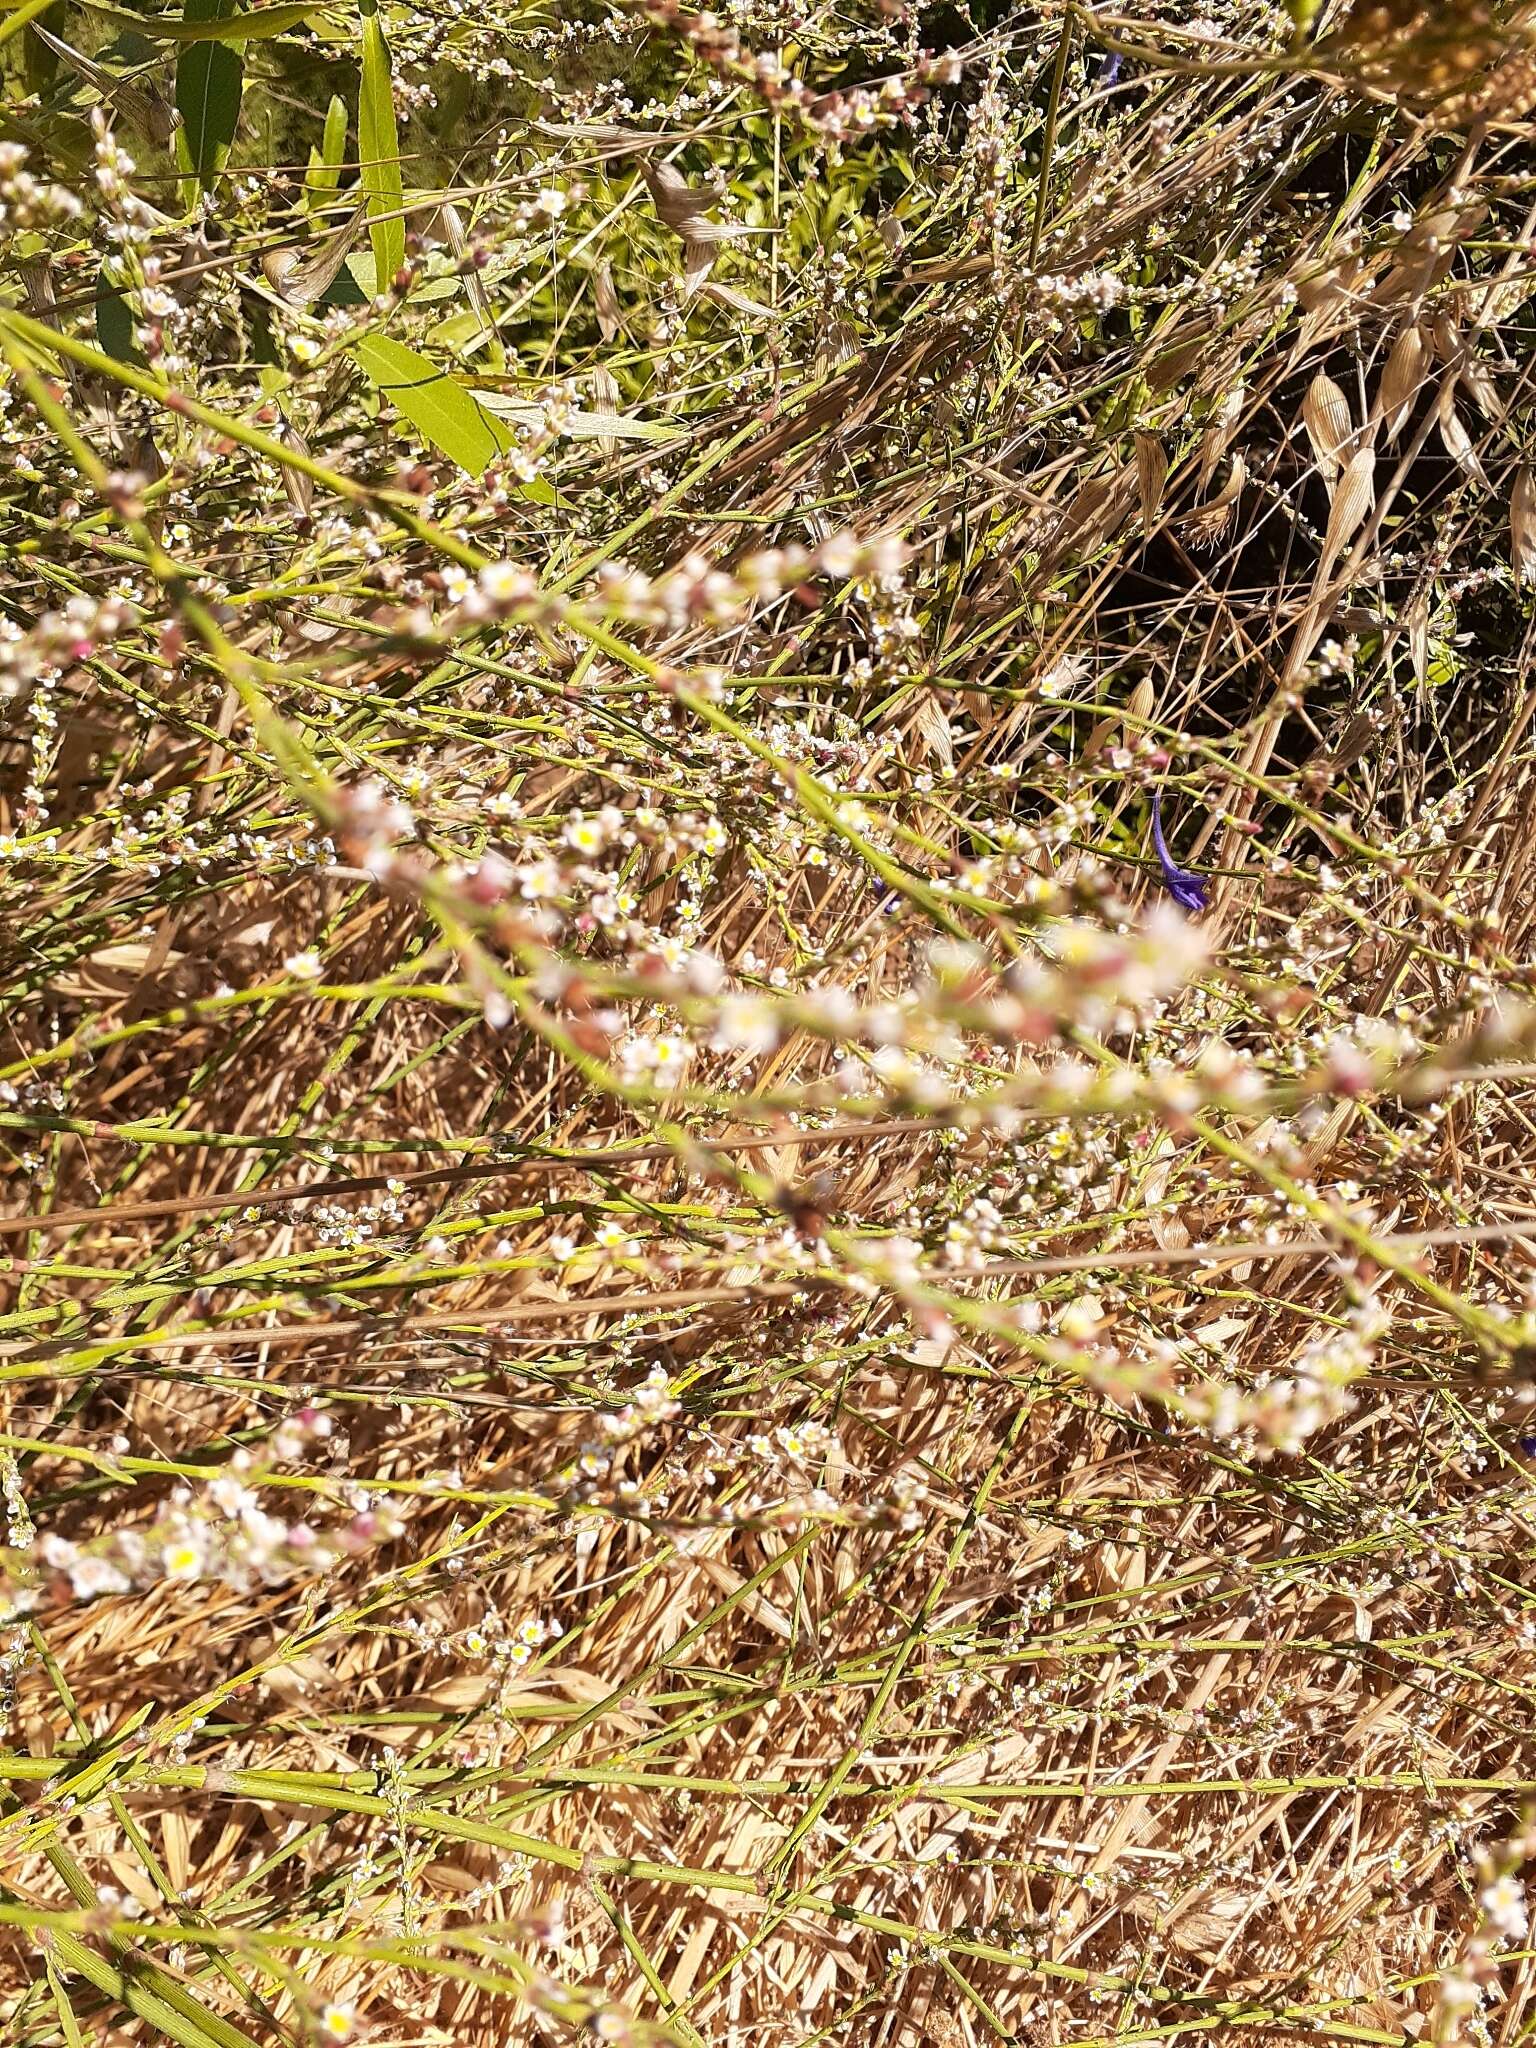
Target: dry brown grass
(1109, 1617)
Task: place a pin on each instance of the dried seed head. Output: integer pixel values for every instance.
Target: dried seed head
(1456, 439)
(1352, 501)
(1522, 525)
(1151, 476)
(1403, 378)
(1449, 61)
(1325, 415)
(605, 300)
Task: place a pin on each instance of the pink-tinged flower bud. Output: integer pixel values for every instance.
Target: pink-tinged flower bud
(489, 881)
(1347, 1070)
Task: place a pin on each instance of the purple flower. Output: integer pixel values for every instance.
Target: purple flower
(1187, 889)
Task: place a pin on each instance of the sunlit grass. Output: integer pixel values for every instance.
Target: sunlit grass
(696, 1346)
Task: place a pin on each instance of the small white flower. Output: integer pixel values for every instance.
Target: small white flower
(182, 1560)
(1504, 1903)
(1082, 1319)
(584, 835)
(90, 1576)
(504, 582)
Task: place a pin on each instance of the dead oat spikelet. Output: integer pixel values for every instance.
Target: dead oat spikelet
(1151, 477)
(301, 274)
(1214, 443)
(1208, 522)
(453, 229)
(683, 207)
(677, 202)
(1453, 434)
(1143, 702)
(1402, 379)
(1325, 414)
(1449, 61)
(1352, 502)
(605, 301)
(1522, 525)
(607, 398)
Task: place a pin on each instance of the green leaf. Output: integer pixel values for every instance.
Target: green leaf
(73, 2037)
(438, 406)
(209, 80)
(114, 325)
(378, 149)
(364, 267)
(457, 332)
(175, 2014)
(251, 27)
(324, 173)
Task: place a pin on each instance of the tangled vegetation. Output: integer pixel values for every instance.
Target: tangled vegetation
(768, 844)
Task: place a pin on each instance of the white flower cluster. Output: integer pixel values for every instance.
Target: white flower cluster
(39, 653)
(510, 1648)
(222, 1533)
(651, 1403)
(26, 204)
(662, 1060)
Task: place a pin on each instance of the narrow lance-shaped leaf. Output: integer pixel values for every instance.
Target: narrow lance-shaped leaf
(209, 80)
(256, 25)
(324, 173)
(114, 323)
(440, 408)
(379, 152)
(73, 2038)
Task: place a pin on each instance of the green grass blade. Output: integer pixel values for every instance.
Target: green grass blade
(378, 148)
